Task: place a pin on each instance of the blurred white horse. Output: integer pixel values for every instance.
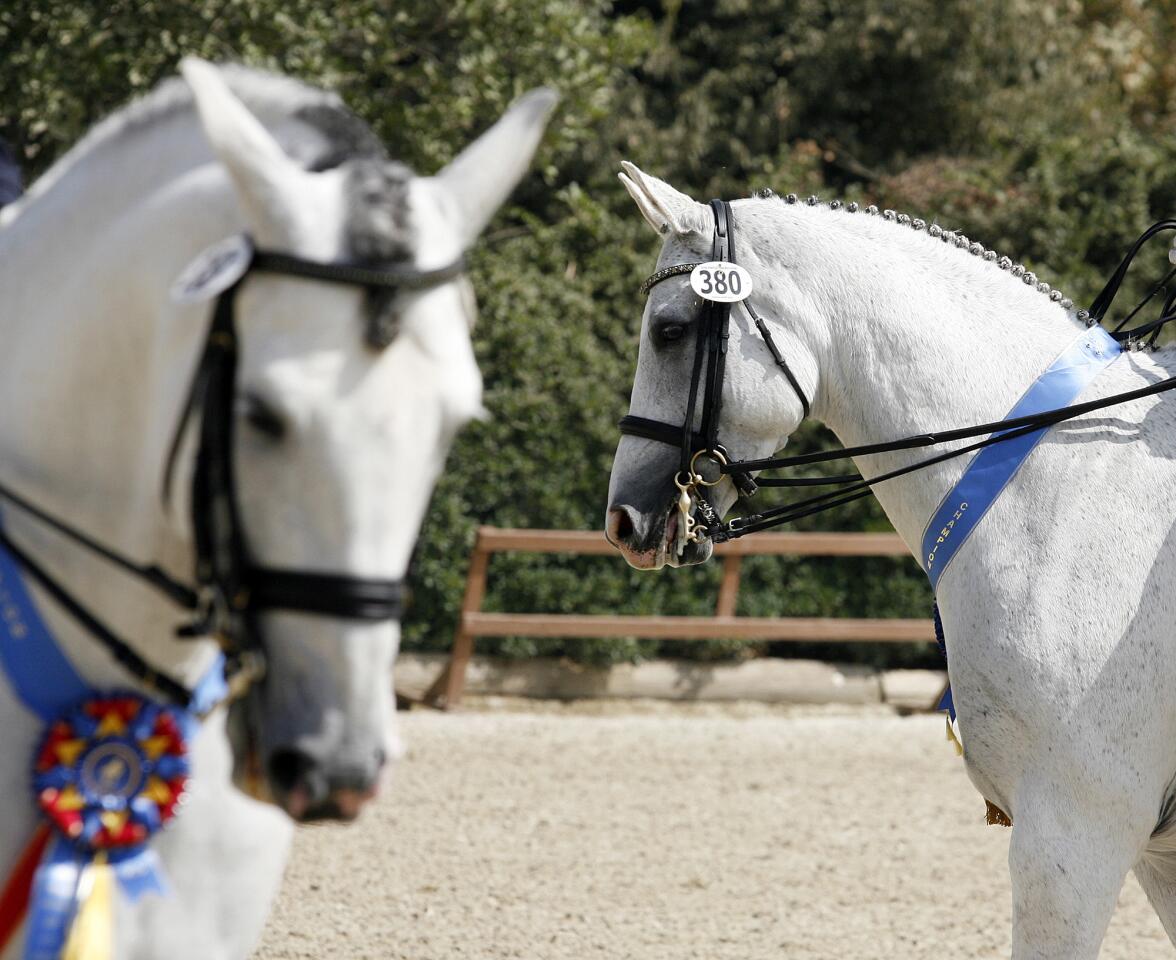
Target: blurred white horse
(1059, 612)
(339, 441)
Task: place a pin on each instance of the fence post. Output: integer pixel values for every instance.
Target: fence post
(729, 588)
(447, 691)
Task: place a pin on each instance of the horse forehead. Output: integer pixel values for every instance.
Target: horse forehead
(683, 249)
(433, 222)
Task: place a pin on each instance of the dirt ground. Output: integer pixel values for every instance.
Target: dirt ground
(664, 832)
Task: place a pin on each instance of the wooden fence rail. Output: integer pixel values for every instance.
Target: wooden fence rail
(447, 690)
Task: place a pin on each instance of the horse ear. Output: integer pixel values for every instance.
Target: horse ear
(664, 208)
(261, 172)
(483, 175)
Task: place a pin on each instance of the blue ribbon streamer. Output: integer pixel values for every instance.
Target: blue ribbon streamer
(54, 900)
(49, 686)
(990, 471)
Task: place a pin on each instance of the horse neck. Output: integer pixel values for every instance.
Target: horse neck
(96, 364)
(920, 336)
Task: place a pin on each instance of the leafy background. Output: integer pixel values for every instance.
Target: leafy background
(1044, 128)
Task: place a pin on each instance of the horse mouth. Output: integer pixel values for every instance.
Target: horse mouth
(692, 552)
(657, 545)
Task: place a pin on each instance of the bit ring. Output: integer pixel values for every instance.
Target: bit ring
(698, 478)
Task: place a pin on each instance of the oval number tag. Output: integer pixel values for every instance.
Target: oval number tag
(214, 270)
(724, 282)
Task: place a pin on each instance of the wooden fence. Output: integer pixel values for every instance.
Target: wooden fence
(447, 690)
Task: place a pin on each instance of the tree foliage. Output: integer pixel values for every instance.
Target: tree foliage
(1043, 128)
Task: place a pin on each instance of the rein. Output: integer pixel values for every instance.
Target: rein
(704, 461)
(231, 589)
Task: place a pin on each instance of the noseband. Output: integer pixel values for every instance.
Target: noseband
(232, 589)
(704, 461)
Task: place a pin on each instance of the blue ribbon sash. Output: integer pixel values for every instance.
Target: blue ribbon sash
(990, 471)
(992, 468)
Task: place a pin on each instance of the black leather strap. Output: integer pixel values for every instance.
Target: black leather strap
(647, 429)
(392, 277)
(122, 652)
(325, 594)
(667, 433)
(718, 332)
(224, 564)
(778, 358)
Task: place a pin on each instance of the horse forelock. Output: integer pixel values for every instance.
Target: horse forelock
(377, 228)
(377, 231)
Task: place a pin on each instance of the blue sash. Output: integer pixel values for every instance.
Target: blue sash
(993, 467)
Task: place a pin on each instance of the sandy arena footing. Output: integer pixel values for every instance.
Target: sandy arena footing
(666, 831)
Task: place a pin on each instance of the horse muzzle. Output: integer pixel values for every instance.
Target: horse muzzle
(649, 540)
(304, 777)
(308, 789)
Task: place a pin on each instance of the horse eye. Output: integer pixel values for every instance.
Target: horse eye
(262, 417)
(671, 332)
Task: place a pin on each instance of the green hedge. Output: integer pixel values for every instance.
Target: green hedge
(1043, 128)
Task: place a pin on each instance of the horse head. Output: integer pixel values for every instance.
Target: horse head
(347, 398)
(759, 408)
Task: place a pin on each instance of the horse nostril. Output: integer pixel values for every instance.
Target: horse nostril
(289, 768)
(619, 528)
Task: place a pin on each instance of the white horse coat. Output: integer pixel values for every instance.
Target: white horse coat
(1059, 610)
(95, 366)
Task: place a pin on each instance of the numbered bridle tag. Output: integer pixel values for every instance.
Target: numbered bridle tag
(721, 281)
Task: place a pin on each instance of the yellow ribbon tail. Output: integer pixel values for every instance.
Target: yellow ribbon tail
(953, 736)
(91, 937)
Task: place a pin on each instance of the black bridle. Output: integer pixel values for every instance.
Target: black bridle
(231, 589)
(704, 461)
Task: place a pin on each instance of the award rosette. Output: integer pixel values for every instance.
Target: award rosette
(106, 776)
(110, 772)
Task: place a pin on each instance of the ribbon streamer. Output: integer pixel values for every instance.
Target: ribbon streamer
(106, 762)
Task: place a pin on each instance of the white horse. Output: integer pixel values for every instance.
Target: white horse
(1059, 611)
(342, 433)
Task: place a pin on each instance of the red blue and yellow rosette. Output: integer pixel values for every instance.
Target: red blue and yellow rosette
(110, 773)
(106, 776)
